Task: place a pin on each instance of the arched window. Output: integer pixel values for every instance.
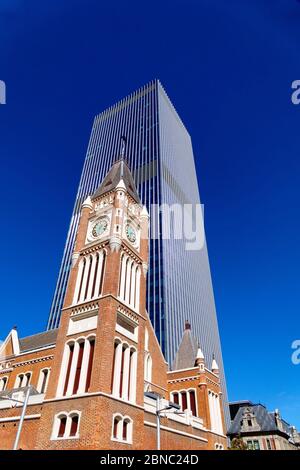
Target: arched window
(193, 402)
(3, 383)
(77, 365)
(74, 424)
(19, 380)
(186, 399)
(62, 426)
(43, 380)
(124, 371)
(89, 283)
(148, 368)
(70, 351)
(27, 379)
(215, 412)
(66, 425)
(175, 398)
(23, 380)
(126, 423)
(117, 421)
(122, 428)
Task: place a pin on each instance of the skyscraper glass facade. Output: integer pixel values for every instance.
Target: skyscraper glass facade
(160, 156)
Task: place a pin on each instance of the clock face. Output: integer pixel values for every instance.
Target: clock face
(99, 228)
(131, 233)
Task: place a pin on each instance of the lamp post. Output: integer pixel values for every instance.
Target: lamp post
(170, 406)
(28, 391)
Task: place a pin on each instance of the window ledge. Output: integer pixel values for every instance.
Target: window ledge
(120, 441)
(67, 438)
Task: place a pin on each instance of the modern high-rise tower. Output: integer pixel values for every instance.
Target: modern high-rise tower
(159, 153)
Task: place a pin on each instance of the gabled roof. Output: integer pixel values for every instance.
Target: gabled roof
(187, 351)
(10, 345)
(40, 340)
(118, 172)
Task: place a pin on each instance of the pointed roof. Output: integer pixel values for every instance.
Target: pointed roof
(187, 351)
(10, 345)
(118, 172)
(200, 354)
(214, 365)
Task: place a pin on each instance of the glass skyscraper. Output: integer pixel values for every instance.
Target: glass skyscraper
(160, 156)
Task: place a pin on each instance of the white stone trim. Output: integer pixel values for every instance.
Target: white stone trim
(56, 424)
(17, 418)
(188, 398)
(215, 412)
(93, 394)
(181, 370)
(78, 280)
(13, 334)
(3, 388)
(41, 379)
(100, 269)
(121, 420)
(176, 431)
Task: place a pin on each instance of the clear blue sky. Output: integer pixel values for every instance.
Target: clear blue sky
(228, 67)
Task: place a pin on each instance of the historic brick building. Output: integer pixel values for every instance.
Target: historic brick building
(88, 378)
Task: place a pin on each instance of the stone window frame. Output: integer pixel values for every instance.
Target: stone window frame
(187, 390)
(2, 389)
(68, 415)
(121, 420)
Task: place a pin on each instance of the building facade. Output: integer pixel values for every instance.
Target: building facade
(261, 429)
(95, 381)
(160, 156)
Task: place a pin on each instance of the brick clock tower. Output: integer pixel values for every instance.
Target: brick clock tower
(91, 374)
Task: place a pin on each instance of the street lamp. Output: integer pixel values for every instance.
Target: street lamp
(170, 406)
(30, 390)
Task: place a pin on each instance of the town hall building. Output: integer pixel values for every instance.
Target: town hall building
(99, 380)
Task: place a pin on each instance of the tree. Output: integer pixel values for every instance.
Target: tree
(237, 443)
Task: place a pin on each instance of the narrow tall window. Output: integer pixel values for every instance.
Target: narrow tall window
(193, 402)
(184, 401)
(3, 383)
(90, 365)
(125, 430)
(123, 294)
(122, 371)
(45, 373)
(62, 426)
(71, 351)
(78, 368)
(102, 274)
(113, 366)
(116, 423)
(81, 281)
(74, 425)
(95, 276)
(26, 380)
(88, 277)
(130, 372)
(19, 381)
(176, 398)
